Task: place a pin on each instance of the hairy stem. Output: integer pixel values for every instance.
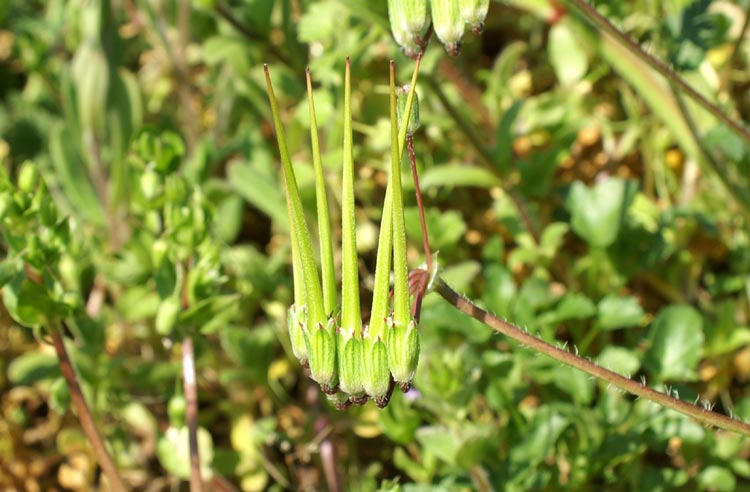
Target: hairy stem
(702, 415)
(85, 416)
(590, 13)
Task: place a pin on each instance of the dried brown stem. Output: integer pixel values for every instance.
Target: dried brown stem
(700, 414)
(85, 416)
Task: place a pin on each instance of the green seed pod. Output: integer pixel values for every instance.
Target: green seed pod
(448, 24)
(297, 320)
(474, 12)
(350, 361)
(413, 123)
(321, 352)
(403, 352)
(377, 377)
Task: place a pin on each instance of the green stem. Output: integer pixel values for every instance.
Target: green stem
(700, 414)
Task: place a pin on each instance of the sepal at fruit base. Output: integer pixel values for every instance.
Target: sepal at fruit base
(297, 320)
(321, 352)
(350, 354)
(403, 351)
(377, 376)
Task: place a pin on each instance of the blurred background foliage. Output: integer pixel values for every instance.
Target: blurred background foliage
(569, 189)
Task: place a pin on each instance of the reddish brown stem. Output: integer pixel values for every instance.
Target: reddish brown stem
(85, 416)
(420, 203)
(191, 412)
(639, 389)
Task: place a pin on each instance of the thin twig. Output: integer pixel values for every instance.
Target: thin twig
(420, 203)
(191, 412)
(85, 416)
(602, 22)
(418, 288)
(702, 415)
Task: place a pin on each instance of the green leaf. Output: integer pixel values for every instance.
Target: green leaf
(620, 360)
(574, 306)
(452, 175)
(503, 154)
(72, 174)
(441, 441)
(598, 213)
(566, 56)
(260, 189)
(33, 367)
(717, 479)
(28, 302)
(445, 228)
(675, 339)
(619, 312)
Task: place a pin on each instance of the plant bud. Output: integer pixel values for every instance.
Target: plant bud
(158, 252)
(413, 123)
(403, 352)
(377, 377)
(167, 314)
(27, 177)
(321, 352)
(176, 409)
(448, 24)
(350, 361)
(297, 320)
(474, 12)
(150, 184)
